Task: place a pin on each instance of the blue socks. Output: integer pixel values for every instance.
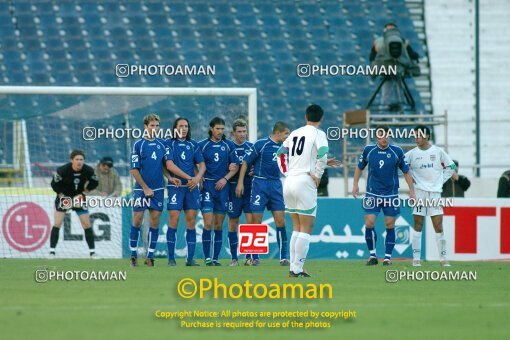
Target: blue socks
(371, 239)
(218, 234)
(233, 240)
(153, 241)
(170, 242)
(281, 238)
(191, 241)
(133, 240)
(390, 243)
(206, 243)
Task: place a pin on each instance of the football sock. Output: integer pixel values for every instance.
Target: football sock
(153, 241)
(281, 238)
(218, 241)
(416, 242)
(389, 243)
(441, 245)
(371, 239)
(89, 237)
(54, 238)
(232, 241)
(133, 240)
(191, 241)
(302, 246)
(170, 242)
(206, 243)
(293, 238)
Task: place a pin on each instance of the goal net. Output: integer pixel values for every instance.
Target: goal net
(40, 126)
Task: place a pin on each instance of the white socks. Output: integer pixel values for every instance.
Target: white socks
(416, 242)
(293, 239)
(441, 246)
(301, 247)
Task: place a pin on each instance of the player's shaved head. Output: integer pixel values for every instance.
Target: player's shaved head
(149, 118)
(280, 127)
(314, 113)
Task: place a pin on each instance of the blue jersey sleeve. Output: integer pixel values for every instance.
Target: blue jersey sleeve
(197, 156)
(232, 157)
(136, 156)
(169, 152)
(253, 154)
(402, 164)
(363, 159)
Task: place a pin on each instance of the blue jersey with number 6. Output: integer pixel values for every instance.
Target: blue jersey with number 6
(383, 165)
(185, 154)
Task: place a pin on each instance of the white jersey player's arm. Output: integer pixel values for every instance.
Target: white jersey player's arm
(321, 143)
(449, 166)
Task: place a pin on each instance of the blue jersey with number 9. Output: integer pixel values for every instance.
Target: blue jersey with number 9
(383, 165)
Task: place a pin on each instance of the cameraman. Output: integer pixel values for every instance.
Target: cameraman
(387, 51)
(379, 44)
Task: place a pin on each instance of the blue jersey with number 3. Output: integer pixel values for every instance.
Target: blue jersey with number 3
(217, 157)
(383, 165)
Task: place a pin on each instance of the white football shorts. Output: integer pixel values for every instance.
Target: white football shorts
(428, 203)
(300, 195)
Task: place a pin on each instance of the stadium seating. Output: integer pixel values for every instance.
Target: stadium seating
(252, 45)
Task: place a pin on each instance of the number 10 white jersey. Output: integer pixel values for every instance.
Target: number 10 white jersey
(307, 149)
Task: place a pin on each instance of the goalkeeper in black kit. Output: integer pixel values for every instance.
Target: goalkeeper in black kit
(71, 181)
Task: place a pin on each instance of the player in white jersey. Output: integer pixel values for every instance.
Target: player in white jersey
(306, 149)
(430, 168)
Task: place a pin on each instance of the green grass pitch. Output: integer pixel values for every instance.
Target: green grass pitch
(125, 309)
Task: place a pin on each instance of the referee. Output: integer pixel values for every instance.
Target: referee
(70, 182)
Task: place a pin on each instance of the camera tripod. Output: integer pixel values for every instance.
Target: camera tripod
(402, 93)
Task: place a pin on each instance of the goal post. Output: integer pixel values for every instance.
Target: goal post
(249, 92)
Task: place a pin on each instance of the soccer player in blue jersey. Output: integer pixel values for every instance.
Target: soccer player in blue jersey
(218, 154)
(184, 154)
(148, 161)
(383, 160)
(237, 205)
(267, 189)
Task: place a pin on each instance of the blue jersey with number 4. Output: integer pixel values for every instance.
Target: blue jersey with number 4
(217, 157)
(149, 157)
(383, 165)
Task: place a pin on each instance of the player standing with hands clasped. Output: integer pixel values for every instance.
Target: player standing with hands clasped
(219, 154)
(383, 160)
(430, 167)
(148, 161)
